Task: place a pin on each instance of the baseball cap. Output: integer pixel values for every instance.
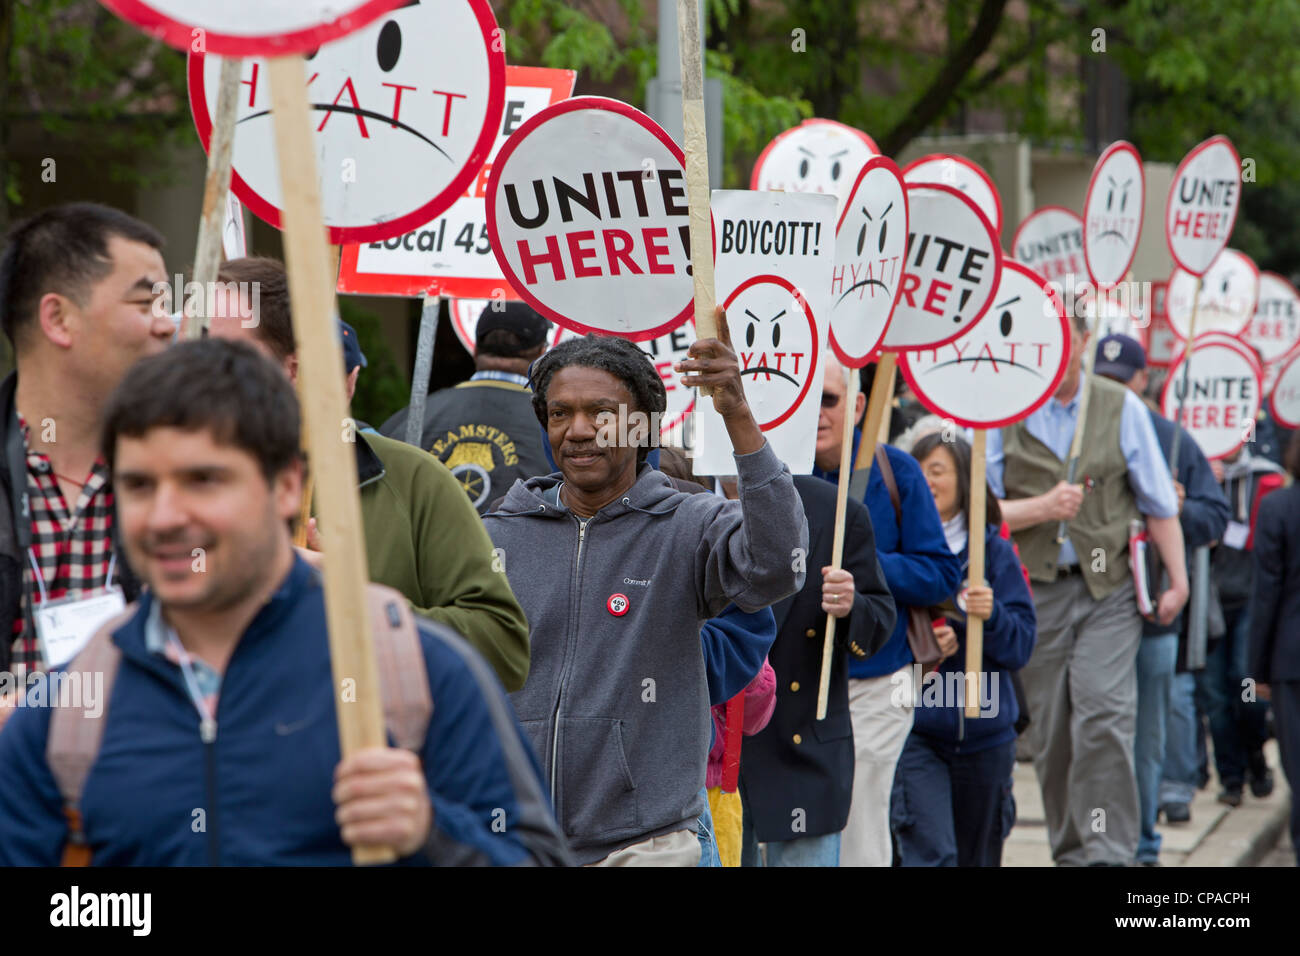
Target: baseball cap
(352, 354)
(518, 318)
(1120, 357)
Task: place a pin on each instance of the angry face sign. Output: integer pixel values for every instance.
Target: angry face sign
(1112, 214)
(817, 156)
(775, 339)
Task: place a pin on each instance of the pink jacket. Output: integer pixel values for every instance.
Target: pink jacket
(760, 701)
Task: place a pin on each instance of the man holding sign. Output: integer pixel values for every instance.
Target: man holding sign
(1081, 681)
(617, 572)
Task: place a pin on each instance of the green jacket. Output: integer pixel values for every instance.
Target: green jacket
(425, 539)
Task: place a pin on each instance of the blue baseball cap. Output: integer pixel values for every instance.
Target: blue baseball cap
(1120, 357)
(352, 354)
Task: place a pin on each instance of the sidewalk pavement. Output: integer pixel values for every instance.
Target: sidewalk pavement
(1217, 835)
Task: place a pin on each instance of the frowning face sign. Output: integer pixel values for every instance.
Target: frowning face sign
(818, 156)
(404, 113)
(961, 174)
(870, 244)
(775, 339)
(1229, 291)
(1112, 213)
(1007, 365)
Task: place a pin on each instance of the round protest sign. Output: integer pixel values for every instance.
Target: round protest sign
(400, 134)
(870, 244)
(1226, 303)
(766, 313)
(1284, 400)
(951, 270)
(1050, 241)
(1112, 214)
(1009, 364)
(1223, 394)
(588, 217)
(960, 173)
(817, 156)
(1203, 202)
(250, 27)
(1274, 329)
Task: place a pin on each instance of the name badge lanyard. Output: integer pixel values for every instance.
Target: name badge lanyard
(207, 723)
(40, 578)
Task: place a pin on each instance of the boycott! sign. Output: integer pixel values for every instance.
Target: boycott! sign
(1112, 214)
(951, 269)
(250, 27)
(1226, 304)
(451, 255)
(1275, 327)
(777, 299)
(1223, 394)
(817, 156)
(587, 213)
(1009, 364)
(1202, 206)
(870, 243)
(1284, 400)
(401, 133)
(960, 173)
(1050, 241)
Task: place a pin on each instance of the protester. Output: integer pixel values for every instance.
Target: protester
(1081, 680)
(1274, 652)
(796, 776)
(421, 538)
(79, 285)
(951, 805)
(920, 571)
(724, 807)
(1203, 514)
(484, 429)
(220, 698)
(617, 573)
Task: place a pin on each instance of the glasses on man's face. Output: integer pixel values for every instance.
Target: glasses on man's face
(829, 400)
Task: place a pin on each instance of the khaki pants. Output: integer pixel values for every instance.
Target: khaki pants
(881, 710)
(679, 848)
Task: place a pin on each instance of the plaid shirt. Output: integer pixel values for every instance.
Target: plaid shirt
(73, 549)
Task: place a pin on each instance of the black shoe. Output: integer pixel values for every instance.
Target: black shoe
(1261, 778)
(1176, 812)
(1231, 794)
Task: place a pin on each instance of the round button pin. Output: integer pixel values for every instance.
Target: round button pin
(617, 604)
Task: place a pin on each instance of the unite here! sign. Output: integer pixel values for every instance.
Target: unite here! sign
(1203, 202)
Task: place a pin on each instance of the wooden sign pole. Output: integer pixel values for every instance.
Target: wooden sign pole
(320, 359)
(975, 530)
(837, 546)
(1076, 443)
(207, 255)
(309, 486)
(878, 405)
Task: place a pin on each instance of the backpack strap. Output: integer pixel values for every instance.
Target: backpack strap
(403, 676)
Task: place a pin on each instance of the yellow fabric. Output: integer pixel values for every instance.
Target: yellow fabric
(727, 824)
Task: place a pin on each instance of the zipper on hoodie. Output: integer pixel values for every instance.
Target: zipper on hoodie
(208, 733)
(559, 696)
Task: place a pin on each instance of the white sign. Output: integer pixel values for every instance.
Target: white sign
(817, 156)
(1203, 203)
(451, 255)
(951, 270)
(1050, 241)
(870, 243)
(1112, 214)
(588, 218)
(1009, 364)
(1223, 394)
(960, 173)
(1284, 399)
(250, 27)
(1274, 329)
(776, 293)
(1226, 303)
(399, 133)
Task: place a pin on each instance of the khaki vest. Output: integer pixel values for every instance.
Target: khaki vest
(1099, 532)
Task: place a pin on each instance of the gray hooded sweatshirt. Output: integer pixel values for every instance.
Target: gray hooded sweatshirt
(616, 703)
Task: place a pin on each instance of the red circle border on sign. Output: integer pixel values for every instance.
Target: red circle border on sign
(1051, 390)
(1178, 332)
(975, 168)
(1226, 341)
(1196, 151)
(1123, 146)
(1285, 362)
(340, 235)
(181, 35)
(803, 304)
(507, 150)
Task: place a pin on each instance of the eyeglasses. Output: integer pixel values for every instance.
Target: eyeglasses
(829, 400)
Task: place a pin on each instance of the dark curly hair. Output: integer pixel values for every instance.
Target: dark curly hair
(617, 356)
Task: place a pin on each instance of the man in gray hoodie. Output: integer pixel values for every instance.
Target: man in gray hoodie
(617, 571)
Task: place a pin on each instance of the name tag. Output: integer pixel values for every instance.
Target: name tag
(65, 626)
(1235, 535)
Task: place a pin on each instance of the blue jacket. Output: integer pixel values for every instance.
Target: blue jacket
(1009, 637)
(266, 788)
(919, 568)
(735, 644)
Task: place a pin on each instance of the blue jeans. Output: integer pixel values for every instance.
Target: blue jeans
(805, 851)
(1156, 660)
(1238, 727)
(1179, 781)
(708, 845)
